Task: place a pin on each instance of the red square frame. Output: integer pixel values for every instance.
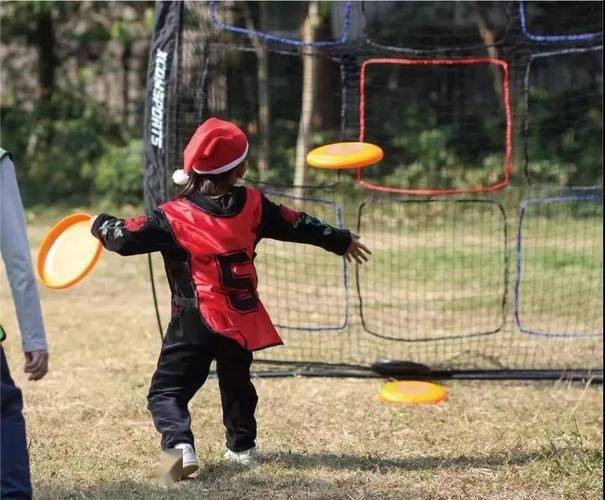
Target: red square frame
(503, 65)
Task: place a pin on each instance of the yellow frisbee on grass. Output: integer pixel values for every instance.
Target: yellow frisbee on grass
(343, 155)
(413, 392)
(68, 252)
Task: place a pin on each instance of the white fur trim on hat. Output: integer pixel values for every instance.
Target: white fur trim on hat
(224, 168)
(180, 177)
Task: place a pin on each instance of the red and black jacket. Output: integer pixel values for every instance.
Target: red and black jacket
(208, 245)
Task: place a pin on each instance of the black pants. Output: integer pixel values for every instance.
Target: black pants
(14, 460)
(183, 367)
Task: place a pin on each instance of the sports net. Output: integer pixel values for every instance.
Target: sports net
(485, 216)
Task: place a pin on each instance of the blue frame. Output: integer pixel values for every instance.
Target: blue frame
(518, 258)
(580, 37)
(282, 39)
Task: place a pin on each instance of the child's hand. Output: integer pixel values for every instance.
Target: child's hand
(357, 250)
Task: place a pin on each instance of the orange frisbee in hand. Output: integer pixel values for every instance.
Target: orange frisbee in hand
(68, 252)
(343, 155)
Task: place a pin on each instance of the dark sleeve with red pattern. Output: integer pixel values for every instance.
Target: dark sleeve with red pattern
(135, 235)
(282, 223)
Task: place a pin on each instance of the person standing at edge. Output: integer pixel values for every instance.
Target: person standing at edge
(15, 482)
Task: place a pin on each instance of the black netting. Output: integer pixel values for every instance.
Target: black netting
(438, 266)
(442, 126)
(564, 114)
(559, 288)
(485, 216)
(432, 26)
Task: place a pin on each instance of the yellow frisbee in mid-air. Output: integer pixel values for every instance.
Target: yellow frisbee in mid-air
(413, 392)
(343, 155)
(68, 252)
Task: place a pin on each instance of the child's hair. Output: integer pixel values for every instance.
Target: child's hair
(211, 185)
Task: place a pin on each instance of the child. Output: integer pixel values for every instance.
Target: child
(207, 236)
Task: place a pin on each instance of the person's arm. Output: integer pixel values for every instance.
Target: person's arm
(17, 259)
(279, 222)
(133, 236)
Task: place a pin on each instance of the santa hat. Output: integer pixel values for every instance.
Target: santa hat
(216, 147)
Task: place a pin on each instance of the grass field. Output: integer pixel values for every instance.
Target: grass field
(91, 436)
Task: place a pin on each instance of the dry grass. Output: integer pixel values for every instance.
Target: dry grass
(91, 436)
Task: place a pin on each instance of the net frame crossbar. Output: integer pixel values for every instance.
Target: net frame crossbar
(269, 37)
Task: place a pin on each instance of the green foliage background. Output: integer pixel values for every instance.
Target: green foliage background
(68, 145)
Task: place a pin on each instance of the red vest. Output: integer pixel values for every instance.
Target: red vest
(221, 250)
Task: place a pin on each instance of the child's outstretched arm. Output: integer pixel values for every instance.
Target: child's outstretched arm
(134, 235)
(285, 224)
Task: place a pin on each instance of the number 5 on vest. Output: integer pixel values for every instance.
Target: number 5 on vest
(241, 289)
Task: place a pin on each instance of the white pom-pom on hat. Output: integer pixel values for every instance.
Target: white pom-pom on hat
(180, 177)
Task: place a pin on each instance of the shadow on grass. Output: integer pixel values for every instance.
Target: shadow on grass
(220, 480)
(115, 490)
(376, 463)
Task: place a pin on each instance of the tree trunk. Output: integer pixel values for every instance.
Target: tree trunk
(309, 92)
(45, 40)
(126, 55)
(262, 79)
(489, 39)
(264, 104)
(216, 88)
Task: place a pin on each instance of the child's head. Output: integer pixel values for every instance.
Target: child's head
(214, 158)
(214, 184)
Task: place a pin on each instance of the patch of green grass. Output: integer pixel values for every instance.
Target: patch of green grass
(549, 259)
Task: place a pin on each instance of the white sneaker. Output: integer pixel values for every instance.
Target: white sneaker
(246, 457)
(190, 461)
